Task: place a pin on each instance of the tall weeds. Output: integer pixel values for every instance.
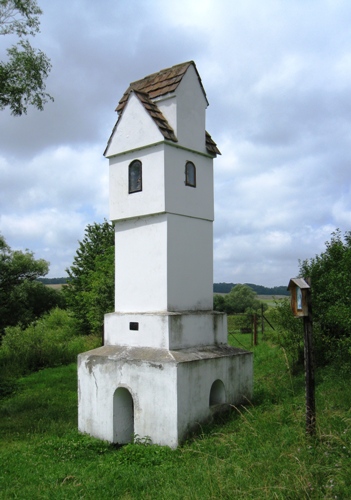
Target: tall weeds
(50, 341)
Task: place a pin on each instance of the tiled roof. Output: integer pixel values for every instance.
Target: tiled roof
(211, 146)
(161, 83)
(156, 85)
(156, 115)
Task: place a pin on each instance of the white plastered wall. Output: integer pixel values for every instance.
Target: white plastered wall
(151, 384)
(186, 112)
(166, 330)
(191, 112)
(163, 263)
(135, 129)
(151, 199)
(163, 184)
(186, 200)
(194, 382)
(170, 389)
(141, 264)
(190, 264)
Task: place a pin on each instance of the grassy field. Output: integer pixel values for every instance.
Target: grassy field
(258, 451)
(57, 286)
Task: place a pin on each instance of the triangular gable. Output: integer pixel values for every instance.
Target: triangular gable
(150, 125)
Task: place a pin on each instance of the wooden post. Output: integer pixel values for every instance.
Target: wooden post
(309, 366)
(255, 329)
(262, 322)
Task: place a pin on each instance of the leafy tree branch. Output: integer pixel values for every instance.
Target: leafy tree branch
(23, 75)
(19, 17)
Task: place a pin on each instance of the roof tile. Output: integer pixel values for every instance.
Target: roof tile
(157, 85)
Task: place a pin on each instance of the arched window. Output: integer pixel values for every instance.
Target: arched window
(190, 174)
(135, 176)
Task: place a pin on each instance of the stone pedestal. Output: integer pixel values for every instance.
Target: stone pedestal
(158, 393)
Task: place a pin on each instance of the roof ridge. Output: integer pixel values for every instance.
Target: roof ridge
(156, 85)
(164, 70)
(160, 83)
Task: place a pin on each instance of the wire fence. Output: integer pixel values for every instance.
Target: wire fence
(253, 324)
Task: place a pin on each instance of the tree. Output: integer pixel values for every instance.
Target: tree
(22, 298)
(90, 289)
(218, 302)
(330, 274)
(22, 77)
(241, 299)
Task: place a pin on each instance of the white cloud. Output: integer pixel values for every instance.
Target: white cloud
(277, 75)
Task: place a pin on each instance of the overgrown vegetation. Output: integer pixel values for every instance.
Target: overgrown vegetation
(50, 341)
(22, 298)
(330, 274)
(258, 451)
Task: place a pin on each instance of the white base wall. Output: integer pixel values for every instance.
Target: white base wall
(165, 330)
(158, 393)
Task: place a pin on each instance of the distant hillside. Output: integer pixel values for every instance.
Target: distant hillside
(217, 287)
(259, 289)
(52, 281)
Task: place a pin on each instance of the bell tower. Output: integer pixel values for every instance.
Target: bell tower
(164, 345)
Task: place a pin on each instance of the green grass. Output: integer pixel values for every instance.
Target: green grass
(259, 451)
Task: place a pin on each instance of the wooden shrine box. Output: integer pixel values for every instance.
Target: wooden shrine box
(298, 290)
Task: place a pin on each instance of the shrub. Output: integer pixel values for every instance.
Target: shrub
(288, 331)
(49, 342)
(330, 274)
(240, 299)
(22, 298)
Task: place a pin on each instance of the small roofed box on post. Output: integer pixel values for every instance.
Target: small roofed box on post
(298, 288)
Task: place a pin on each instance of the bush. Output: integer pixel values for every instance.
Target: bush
(288, 331)
(330, 274)
(239, 322)
(241, 299)
(22, 298)
(49, 342)
(289, 334)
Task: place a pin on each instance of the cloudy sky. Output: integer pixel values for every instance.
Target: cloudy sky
(277, 74)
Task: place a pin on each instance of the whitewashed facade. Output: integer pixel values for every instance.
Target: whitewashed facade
(165, 365)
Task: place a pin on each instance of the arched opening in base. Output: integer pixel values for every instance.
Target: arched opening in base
(217, 393)
(123, 416)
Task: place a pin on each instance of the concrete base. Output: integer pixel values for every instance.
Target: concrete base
(166, 330)
(158, 393)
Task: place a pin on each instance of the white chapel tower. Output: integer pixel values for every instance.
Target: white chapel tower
(165, 365)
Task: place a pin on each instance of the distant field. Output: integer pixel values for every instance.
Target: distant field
(272, 297)
(263, 297)
(56, 287)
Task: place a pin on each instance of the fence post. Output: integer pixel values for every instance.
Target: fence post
(255, 329)
(309, 366)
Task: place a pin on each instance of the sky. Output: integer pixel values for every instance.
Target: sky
(277, 75)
